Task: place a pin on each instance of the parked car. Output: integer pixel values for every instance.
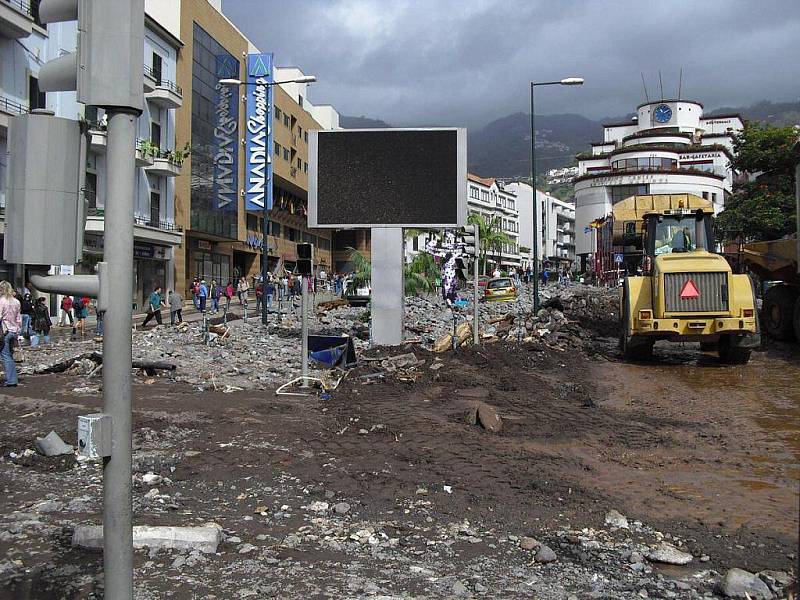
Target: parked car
(500, 289)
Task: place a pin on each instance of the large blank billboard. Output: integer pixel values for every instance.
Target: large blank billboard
(387, 178)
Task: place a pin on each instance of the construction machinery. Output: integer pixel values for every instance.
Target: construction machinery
(675, 286)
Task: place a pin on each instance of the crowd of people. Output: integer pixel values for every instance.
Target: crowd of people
(546, 275)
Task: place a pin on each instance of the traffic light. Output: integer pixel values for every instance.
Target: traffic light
(106, 68)
(305, 259)
(471, 240)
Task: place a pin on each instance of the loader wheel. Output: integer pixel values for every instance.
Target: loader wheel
(633, 347)
(732, 355)
(709, 346)
(777, 312)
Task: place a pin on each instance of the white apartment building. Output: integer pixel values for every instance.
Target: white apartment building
(668, 148)
(26, 45)
(324, 114)
(556, 220)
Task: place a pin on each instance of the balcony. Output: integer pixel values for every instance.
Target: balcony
(16, 19)
(164, 164)
(150, 79)
(160, 224)
(98, 141)
(166, 94)
(9, 108)
(144, 158)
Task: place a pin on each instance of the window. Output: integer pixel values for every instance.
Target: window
(644, 163)
(92, 114)
(278, 113)
(620, 192)
(473, 192)
(305, 167)
(37, 99)
(285, 154)
(300, 130)
(286, 120)
(252, 223)
(274, 228)
(705, 195)
(277, 149)
(305, 136)
(300, 100)
(714, 197)
(155, 208)
(158, 64)
(299, 163)
(155, 133)
(90, 190)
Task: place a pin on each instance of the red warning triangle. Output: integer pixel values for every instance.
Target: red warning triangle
(689, 291)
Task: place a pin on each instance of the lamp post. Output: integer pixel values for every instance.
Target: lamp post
(535, 259)
(265, 226)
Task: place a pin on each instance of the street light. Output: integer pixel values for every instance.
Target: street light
(265, 244)
(535, 258)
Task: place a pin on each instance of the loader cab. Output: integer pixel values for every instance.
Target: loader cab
(677, 231)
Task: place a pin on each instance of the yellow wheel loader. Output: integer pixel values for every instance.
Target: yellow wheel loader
(681, 289)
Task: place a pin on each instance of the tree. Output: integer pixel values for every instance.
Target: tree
(762, 209)
(491, 236)
(420, 274)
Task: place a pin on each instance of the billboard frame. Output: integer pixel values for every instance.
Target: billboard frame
(461, 194)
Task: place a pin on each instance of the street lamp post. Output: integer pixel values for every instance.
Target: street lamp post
(265, 226)
(535, 258)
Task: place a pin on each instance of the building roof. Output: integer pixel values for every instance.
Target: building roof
(487, 181)
(687, 101)
(723, 116)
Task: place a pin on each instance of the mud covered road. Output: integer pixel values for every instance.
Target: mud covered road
(702, 455)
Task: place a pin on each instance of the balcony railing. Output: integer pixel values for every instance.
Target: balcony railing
(21, 6)
(162, 225)
(12, 106)
(161, 82)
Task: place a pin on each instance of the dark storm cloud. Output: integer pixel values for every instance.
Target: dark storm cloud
(469, 61)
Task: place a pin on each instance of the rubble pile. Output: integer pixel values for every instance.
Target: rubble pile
(242, 354)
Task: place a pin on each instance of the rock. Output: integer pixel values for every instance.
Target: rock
(635, 558)
(459, 589)
(245, 548)
(528, 543)
(234, 539)
(341, 508)
(151, 493)
(204, 539)
(776, 580)
(48, 506)
(743, 584)
(52, 445)
(544, 555)
(487, 417)
(616, 519)
(669, 554)
(178, 562)
(480, 588)
(152, 478)
(318, 506)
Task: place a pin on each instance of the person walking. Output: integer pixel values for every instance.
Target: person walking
(269, 290)
(80, 309)
(41, 320)
(175, 307)
(10, 323)
(100, 316)
(228, 295)
(196, 293)
(26, 310)
(259, 295)
(202, 294)
(216, 294)
(154, 305)
(242, 288)
(66, 311)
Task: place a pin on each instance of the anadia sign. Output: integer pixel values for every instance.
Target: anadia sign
(258, 186)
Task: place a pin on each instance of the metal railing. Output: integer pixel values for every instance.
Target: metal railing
(160, 224)
(21, 6)
(161, 82)
(12, 106)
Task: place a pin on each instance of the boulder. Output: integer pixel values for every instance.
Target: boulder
(616, 519)
(203, 539)
(669, 555)
(743, 584)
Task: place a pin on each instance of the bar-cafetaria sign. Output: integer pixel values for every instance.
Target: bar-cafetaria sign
(258, 190)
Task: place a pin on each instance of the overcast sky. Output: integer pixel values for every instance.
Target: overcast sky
(467, 62)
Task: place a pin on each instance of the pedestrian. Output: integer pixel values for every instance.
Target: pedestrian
(66, 311)
(269, 290)
(202, 294)
(216, 294)
(41, 320)
(228, 295)
(290, 286)
(26, 310)
(100, 315)
(496, 272)
(259, 295)
(10, 323)
(81, 310)
(323, 280)
(284, 287)
(175, 307)
(196, 293)
(241, 290)
(154, 305)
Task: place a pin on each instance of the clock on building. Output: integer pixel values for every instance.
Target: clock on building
(663, 113)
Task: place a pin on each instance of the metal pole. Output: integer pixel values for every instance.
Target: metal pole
(535, 211)
(118, 251)
(304, 329)
(265, 246)
(475, 288)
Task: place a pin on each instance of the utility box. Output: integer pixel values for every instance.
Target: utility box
(94, 435)
(305, 259)
(45, 208)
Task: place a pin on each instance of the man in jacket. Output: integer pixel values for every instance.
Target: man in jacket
(154, 305)
(175, 307)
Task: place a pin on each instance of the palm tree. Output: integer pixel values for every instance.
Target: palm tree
(490, 234)
(420, 274)
(362, 270)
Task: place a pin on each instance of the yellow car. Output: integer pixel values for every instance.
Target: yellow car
(500, 289)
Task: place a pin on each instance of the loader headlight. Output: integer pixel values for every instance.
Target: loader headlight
(748, 313)
(645, 315)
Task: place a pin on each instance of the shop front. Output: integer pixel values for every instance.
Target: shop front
(210, 261)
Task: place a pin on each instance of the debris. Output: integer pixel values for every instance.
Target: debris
(545, 554)
(400, 361)
(448, 489)
(318, 506)
(152, 478)
(486, 416)
(341, 508)
(669, 555)
(52, 445)
(528, 543)
(203, 539)
(744, 585)
(463, 333)
(616, 519)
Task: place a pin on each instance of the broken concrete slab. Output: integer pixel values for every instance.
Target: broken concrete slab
(52, 445)
(203, 539)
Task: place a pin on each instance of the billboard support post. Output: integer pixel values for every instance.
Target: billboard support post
(387, 297)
